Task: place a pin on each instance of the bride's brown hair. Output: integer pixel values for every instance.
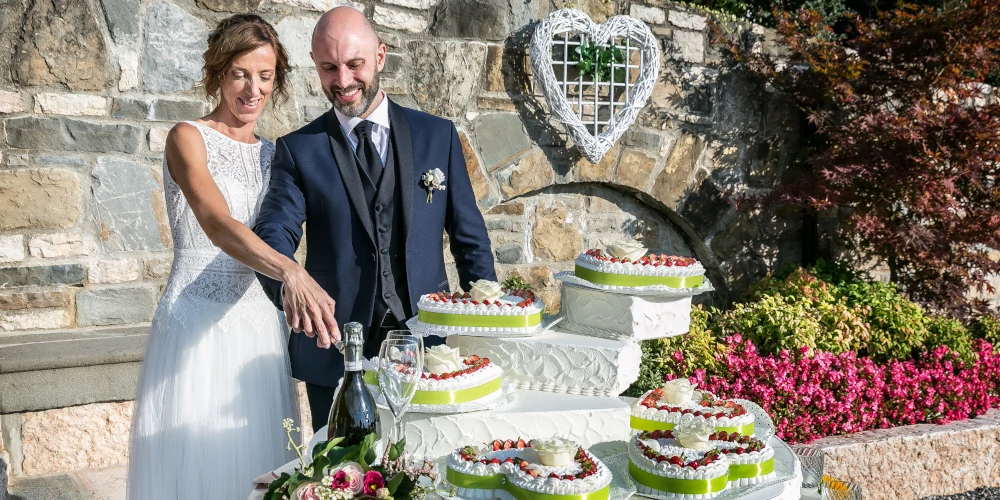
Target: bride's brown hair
(234, 36)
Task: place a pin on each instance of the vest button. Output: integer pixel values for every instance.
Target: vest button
(387, 295)
(378, 208)
(382, 229)
(384, 251)
(385, 273)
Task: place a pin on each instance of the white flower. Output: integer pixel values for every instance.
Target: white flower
(694, 434)
(485, 290)
(433, 181)
(628, 250)
(678, 391)
(651, 444)
(442, 359)
(555, 452)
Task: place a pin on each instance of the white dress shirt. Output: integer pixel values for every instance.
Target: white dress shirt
(380, 127)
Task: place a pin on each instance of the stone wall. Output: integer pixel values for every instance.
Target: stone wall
(89, 88)
(917, 461)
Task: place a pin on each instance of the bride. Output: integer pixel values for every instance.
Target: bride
(215, 382)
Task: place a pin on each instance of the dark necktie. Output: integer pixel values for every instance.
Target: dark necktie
(368, 156)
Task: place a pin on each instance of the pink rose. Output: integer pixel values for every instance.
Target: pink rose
(373, 481)
(349, 477)
(307, 492)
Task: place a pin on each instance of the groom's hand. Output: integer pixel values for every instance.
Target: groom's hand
(309, 309)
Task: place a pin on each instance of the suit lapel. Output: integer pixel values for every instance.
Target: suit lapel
(345, 161)
(399, 131)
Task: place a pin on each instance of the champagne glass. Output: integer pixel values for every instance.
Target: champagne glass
(400, 365)
(405, 334)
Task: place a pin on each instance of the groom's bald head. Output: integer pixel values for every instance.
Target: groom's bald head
(344, 22)
(349, 57)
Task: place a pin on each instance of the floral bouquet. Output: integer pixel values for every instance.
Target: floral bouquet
(351, 472)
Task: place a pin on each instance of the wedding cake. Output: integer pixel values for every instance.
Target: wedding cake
(511, 471)
(625, 292)
(486, 309)
(685, 467)
(627, 265)
(677, 402)
(693, 461)
(450, 379)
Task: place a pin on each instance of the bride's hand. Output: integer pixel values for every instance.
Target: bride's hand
(309, 309)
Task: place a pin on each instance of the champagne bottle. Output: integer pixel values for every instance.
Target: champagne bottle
(353, 414)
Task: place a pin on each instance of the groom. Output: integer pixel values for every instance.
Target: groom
(354, 176)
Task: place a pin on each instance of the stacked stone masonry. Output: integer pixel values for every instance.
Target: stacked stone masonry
(89, 90)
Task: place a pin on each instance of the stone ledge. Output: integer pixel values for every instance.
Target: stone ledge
(68, 349)
(69, 368)
(915, 461)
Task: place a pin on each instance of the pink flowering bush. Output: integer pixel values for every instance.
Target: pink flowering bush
(823, 394)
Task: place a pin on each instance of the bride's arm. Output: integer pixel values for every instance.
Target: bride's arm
(187, 165)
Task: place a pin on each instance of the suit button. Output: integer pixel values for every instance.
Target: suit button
(387, 295)
(384, 251)
(385, 273)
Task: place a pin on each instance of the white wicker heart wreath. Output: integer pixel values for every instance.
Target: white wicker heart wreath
(638, 37)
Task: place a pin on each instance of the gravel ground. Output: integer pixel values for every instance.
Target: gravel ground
(976, 494)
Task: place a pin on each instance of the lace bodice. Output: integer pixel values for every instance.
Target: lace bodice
(242, 172)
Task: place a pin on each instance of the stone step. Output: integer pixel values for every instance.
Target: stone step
(562, 361)
(60, 368)
(590, 421)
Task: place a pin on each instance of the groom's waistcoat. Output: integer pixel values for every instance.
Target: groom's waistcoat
(385, 207)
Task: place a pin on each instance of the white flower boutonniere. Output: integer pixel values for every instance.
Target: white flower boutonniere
(433, 181)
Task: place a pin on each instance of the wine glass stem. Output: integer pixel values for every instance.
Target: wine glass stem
(397, 423)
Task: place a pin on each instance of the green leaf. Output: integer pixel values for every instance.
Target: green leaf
(340, 455)
(323, 447)
(397, 449)
(394, 483)
(367, 452)
(274, 490)
(319, 465)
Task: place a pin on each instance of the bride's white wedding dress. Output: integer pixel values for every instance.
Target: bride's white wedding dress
(215, 384)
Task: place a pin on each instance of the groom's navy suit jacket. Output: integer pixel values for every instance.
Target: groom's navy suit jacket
(315, 179)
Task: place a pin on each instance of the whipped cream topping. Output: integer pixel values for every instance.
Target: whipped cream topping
(678, 418)
(466, 381)
(666, 469)
(637, 269)
(482, 309)
(541, 484)
(750, 457)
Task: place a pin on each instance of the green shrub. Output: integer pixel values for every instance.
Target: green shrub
(951, 333)
(986, 327)
(896, 324)
(699, 348)
(797, 311)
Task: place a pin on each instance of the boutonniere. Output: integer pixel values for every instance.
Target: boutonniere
(433, 181)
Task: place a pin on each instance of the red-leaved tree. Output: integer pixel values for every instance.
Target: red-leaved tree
(905, 136)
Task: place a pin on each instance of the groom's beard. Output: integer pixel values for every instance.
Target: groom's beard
(368, 94)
